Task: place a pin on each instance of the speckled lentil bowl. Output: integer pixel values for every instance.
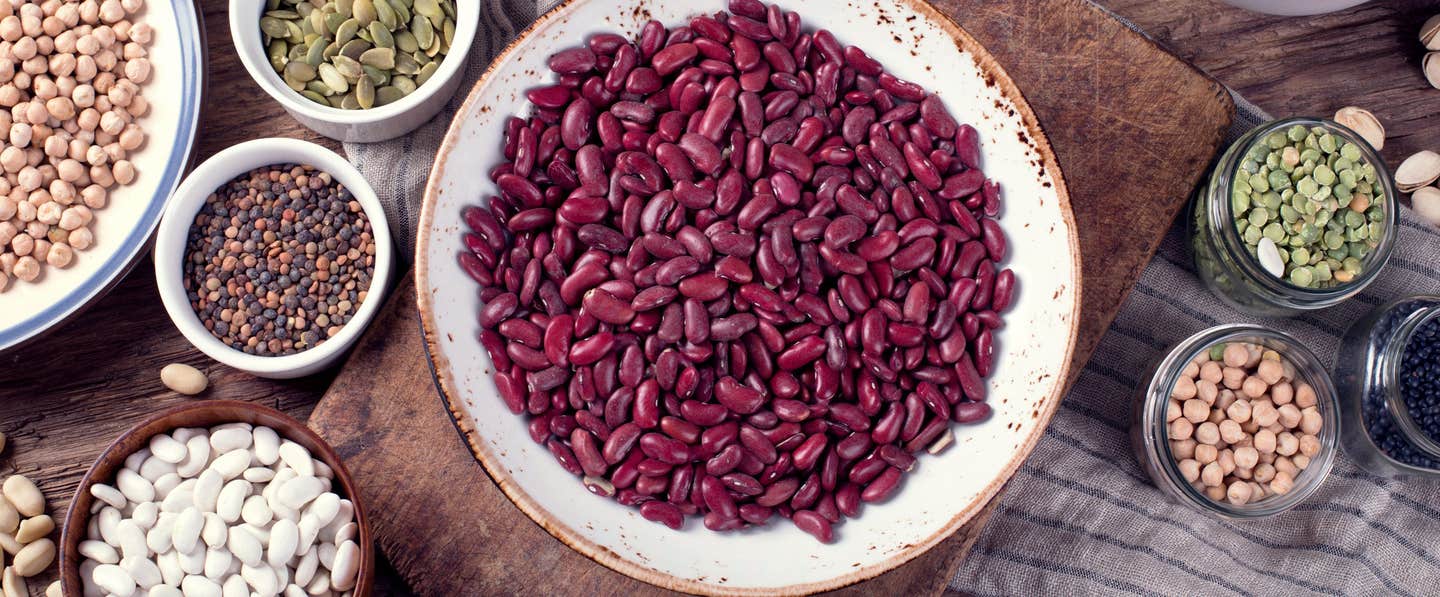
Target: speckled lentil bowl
(171, 247)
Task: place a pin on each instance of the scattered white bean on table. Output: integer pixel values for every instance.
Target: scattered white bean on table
(231, 510)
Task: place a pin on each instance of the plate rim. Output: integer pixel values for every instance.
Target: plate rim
(133, 247)
(442, 373)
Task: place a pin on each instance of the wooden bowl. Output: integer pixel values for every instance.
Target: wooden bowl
(915, 42)
(205, 414)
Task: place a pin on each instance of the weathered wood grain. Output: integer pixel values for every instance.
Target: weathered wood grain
(1095, 82)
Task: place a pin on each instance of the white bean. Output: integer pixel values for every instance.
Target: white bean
(144, 571)
(267, 445)
(34, 528)
(187, 529)
(114, 579)
(225, 440)
(24, 495)
(198, 586)
(167, 449)
(34, 558)
(345, 566)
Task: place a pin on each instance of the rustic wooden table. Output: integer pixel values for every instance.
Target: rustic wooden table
(64, 397)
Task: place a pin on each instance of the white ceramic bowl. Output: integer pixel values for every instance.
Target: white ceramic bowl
(356, 126)
(943, 492)
(170, 246)
(1292, 8)
(122, 229)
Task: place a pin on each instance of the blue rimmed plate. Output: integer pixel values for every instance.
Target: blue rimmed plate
(123, 228)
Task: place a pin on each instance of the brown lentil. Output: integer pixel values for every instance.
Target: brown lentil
(278, 260)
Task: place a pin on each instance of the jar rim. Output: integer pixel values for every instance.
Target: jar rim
(1222, 215)
(1393, 357)
(1308, 367)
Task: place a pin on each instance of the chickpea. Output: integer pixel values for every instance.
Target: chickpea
(1264, 472)
(1207, 391)
(1191, 370)
(1189, 469)
(132, 137)
(60, 256)
(1309, 446)
(20, 135)
(85, 68)
(94, 196)
(90, 11)
(42, 248)
(74, 217)
(1233, 378)
(81, 238)
(1172, 411)
(123, 171)
(1304, 395)
(111, 11)
(48, 213)
(4, 281)
(1239, 411)
(1216, 416)
(35, 113)
(1267, 458)
(1230, 431)
(1211, 475)
(7, 232)
(1270, 371)
(1206, 453)
(1265, 441)
(1195, 410)
(1183, 449)
(1282, 393)
(138, 106)
(1225, 399)
(1238, 493)
(1254, 387)
(1283, 465)
(37, 230)
(27, 268)
(138, 70)
(1207, 433)
(24, 49)
(1184, 388)
(1235, 355)
(142, 33)
(1246, 457)
(1181, 429)
(89, 119)
(1264, 412)
(30, 178)
(112, 122)
(1215, 493)
(1226, 458)
(10, 29)
(101, 175)
(1211, 372)
(132, 6)
(1243, 474)
(1301, 461)
(1289, 415)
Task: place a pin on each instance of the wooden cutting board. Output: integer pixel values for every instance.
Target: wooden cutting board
(1133, 128)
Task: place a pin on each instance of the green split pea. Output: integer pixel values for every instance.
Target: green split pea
(1316, 197)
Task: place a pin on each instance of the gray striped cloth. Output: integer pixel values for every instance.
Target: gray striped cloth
(1081, 517)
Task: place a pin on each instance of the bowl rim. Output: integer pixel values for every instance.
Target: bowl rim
(248, 45)
(207, 413)
(441, 370)
(131, 248)
(171, 240)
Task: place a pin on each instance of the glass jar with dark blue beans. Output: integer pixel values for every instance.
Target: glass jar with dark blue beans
(1389, 380)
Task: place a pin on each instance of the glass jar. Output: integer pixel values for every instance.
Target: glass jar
(1234, 273)
(1380, 432)
(1150, 434)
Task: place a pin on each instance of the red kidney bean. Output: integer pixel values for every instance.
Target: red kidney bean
(738, 149)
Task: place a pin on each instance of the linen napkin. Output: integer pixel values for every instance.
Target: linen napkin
(1081, 517)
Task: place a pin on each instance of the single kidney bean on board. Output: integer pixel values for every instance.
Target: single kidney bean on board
(736, 269)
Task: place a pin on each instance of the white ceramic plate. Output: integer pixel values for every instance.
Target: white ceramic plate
(122, 229)
(943, 492)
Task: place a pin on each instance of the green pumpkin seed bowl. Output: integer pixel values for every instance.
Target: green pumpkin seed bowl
(356, 70)
(1298, 214)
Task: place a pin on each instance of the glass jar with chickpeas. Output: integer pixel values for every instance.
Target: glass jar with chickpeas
(1238, 421)
(1388, 375)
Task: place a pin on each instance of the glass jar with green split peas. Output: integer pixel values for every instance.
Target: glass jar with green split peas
(1298, 214)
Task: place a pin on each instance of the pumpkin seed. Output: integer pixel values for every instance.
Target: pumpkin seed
(421, 59)
(354, 48)
(312, 96)
(297, 52)
(346, 31)
(405, 42)
(319, 87)
(384, 14)
(449, 8)
(293, 84)
(364, 33)
(434, 47)
(430, 9)
(422, 30)
(348, 102)
(278, 52)
(449, 32)
(406, 65)
(284, 15)
(376, 76)
(405, 84)
(347, 67)
(315, 54)
(300, 71)
(274, 27)
(333, 79)
(333, 21)
(402, 14)
(272, 4)
(331, 50)
(364, 11)
(388, 95)
(426, 72)
(379, 58)
(380, 36)
(336, 101)
(345, 7)
(365, 93)
(295, 34)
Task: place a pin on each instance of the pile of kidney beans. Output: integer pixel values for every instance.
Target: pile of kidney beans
(737, 269)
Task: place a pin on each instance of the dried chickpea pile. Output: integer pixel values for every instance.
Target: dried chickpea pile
(1241, 426)
(70, 76)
